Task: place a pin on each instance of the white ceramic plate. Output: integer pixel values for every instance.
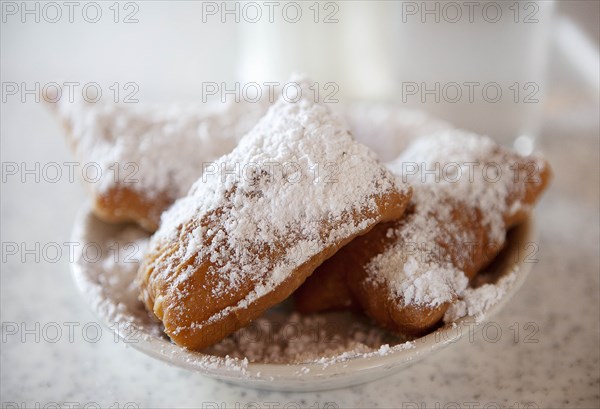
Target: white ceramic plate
(106, 283)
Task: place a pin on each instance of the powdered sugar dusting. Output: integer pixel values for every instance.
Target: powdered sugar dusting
(469, 167)
(448, 169)
(475, 302)
(283, 337)
(250, 201)
(154, 149)
(416, 281)
(383, 350)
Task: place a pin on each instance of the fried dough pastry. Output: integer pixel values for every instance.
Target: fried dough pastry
(137, 161)
(295, 190)
(467, 192)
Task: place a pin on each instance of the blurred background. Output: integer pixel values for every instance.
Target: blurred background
(525, 72)
(486, 66)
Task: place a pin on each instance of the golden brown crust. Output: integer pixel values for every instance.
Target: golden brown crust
(147, 157)
(326, 292)
(120, 204)
(195, 318)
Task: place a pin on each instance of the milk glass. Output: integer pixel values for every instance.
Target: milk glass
(477, 64)
(495, 57)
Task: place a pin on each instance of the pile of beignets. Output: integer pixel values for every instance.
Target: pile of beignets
(250, 203)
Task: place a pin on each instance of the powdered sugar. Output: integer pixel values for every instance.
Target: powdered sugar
(250, 201)
(153, 149)
(284, 337)
(411, 273)
(475, 302)
(463, 166)
(383, 350)
(108, 280)
(416, 282)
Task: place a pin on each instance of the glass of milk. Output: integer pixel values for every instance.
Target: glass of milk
(477, 64)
